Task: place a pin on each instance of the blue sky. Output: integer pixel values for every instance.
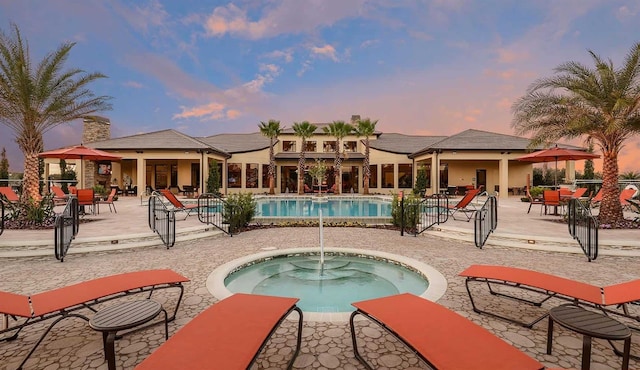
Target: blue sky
(419, 67)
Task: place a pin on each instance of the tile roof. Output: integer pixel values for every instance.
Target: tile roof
(403, 144)
(313, 155)
(157, 140)
(237, 143)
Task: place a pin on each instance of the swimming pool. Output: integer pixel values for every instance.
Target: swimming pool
(332, 207)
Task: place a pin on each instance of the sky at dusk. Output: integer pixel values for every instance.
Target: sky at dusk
(431, 67)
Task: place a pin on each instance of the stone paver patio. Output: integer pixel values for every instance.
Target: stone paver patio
(326, 345)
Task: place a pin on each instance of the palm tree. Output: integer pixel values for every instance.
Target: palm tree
(338, 129)
(601, 104)
(304, 130)
(366, 127)
(271, 130)
(33, 101)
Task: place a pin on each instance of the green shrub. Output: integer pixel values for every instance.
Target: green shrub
(240, 210)
(410, 211)
(536, 191)
(99, 190)
(30, 213)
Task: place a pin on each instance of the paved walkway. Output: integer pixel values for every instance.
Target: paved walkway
(326, 345)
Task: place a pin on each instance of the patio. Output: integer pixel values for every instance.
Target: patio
(73, 345)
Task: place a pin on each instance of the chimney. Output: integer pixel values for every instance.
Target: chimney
(95, 128)
(355, 118)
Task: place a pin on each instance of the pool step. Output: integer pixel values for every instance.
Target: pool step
(14, 248)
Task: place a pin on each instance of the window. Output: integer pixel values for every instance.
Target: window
(329, 146)
(405, 176)
(174, 175)
(387, 176)
(234, 175)
(265, 176)
(373, 179)
(350, 146)
(444, 175)
(311, 146)
(288, 146)
(161, 176)
(252, 175)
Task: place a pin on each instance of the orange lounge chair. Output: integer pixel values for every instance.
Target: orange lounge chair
(441, 337)
(9, 193)
(464, 205)
(549, 286)
(625, 195)
(579, 193)
(63, 302)
(228, 335)
(59, 196)
(177, 204)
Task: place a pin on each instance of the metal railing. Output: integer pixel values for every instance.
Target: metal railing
(67, 225)
(213, 210)
(486, 221)
(583, 227)
(1, 218)
(162, 220)
(432, 210)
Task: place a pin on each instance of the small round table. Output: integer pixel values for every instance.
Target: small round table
(124, 316)
(591, 325)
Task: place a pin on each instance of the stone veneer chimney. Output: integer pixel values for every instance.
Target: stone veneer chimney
(95, 128)
(354, 119)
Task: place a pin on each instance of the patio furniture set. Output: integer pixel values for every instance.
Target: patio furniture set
(440, 337)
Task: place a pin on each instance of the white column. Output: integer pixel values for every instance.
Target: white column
(570, 172)
(504, 178)
(435, 174)
(141, 178)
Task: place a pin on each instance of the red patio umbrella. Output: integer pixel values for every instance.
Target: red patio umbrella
(556, 154)
(80, 152)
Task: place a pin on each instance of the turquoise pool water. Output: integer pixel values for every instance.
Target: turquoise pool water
(334, 207)
(343, 280)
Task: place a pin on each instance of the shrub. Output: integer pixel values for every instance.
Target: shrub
(410, 211)
(536, 191)
(99, 189)
(30, 213)
(240, 210)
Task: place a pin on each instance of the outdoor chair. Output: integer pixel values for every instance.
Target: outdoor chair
(533, 201)
(616, 299)
(625, 195)
(73, 190)
(595, 201)
(228, 335)
(464, 205)
(177, 204)
(579, 193)
(63, 302)
(551, 199)
(59, 196)
(109, 201)
(8, 193)
(86, 198)
(442, 338)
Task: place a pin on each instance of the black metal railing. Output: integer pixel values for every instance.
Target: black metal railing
(1, 218)
(67, 225)
(583, 227)
(213, 210)
(432, 210)
(486, 221)
(162, 220)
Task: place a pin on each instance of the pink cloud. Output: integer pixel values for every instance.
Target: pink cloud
(233, 114)
(326, 51)
(210, 111)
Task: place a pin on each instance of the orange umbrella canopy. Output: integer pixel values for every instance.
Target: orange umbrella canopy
(556, 154)
(80, 152)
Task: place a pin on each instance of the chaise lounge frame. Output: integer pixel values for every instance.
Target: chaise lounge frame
(229, 335)
(442, 338)
(64, 302)
(550, 286)
(464, 205)
(177, 204)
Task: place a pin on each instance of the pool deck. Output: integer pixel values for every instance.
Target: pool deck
(121, 242)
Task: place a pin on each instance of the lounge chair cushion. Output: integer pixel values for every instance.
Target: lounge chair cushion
(73, 295)
(227, 335)
(567, 287)
(446, 339)
(14, 304)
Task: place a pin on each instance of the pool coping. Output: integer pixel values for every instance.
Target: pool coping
(437, 281)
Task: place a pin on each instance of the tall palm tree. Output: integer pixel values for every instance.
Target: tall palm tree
(304, 130)
(601, 104)
(365, 127)
(338, 129)
(271, 130)
(33, 101)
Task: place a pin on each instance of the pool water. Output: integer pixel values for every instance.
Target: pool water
(332, 288)
(341, 207)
